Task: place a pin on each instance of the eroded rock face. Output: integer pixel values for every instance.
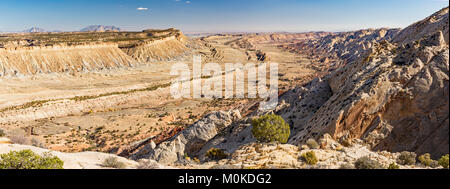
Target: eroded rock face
(436, 22)
(330, 155)
(345, 45)
(71, 52)
(42, 60)
(191, 140)
(395, 97)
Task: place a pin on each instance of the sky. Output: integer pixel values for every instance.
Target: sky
(215, 15)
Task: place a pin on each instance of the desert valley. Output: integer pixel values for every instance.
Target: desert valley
(101, 98)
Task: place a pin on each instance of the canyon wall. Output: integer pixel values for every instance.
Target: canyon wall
(158, 50)
(35, 60)
(24, 57)
(393, 97)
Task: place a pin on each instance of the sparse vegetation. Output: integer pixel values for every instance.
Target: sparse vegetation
(426, 160)
(444, 161)
(36, 142)
(310, 158)
(216, 154)
(407, 158)
(367, 163)
(20, 139)
(113, 162)
(2, 133)
(270, 128)
(311, 143)
(393, 166)
(27, 159)
(347, 166)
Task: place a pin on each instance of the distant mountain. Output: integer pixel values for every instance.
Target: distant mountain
(100, 28)
(34, 30)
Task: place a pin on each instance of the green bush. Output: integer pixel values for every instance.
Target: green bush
(393, 166)
(2, 133)
(311, 143)
(444, 161)
(271, 128)
(113, 162)
(367, 163)
(426, 160)
(407, 158)
(27, 159)
(310, 158)
(216, 154)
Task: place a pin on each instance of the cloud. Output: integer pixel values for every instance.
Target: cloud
(188, 2)
(142, 9)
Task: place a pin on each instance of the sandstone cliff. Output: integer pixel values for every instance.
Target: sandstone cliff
(28, 54)
(343, 47)
(35, 60)
(394, 98)
(162, 49)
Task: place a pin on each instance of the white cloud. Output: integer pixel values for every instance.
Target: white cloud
(142, 9)
(188, 2)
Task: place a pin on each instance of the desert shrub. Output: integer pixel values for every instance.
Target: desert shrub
(27, 159)
(347, 166)
(407, 158)
(36, 142)
(426, 160)
(311, 143)
(393, 166)
(196, 160)
(310, 158)
(20, 139)
(216, 154)
(2, 133)
(444, 161)
(270, 128)
(367, 163)
(113, 162)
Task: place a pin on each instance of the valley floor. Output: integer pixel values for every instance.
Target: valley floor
(109, 109)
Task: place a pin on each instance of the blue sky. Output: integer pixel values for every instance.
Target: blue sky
(215, 15)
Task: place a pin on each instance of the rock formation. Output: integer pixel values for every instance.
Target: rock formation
(391, 95)
(35, 60)
(73, 52)
(344, 46)
(190, 141)
(395, 97)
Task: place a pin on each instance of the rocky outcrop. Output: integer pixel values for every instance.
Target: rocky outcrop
(189, 141)
(330, 155)
(436, 22)
(250, 41)
(87, 51)
(158, 50)
(391, 96)
(344, 46)
(395, 97)
(37, 60)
